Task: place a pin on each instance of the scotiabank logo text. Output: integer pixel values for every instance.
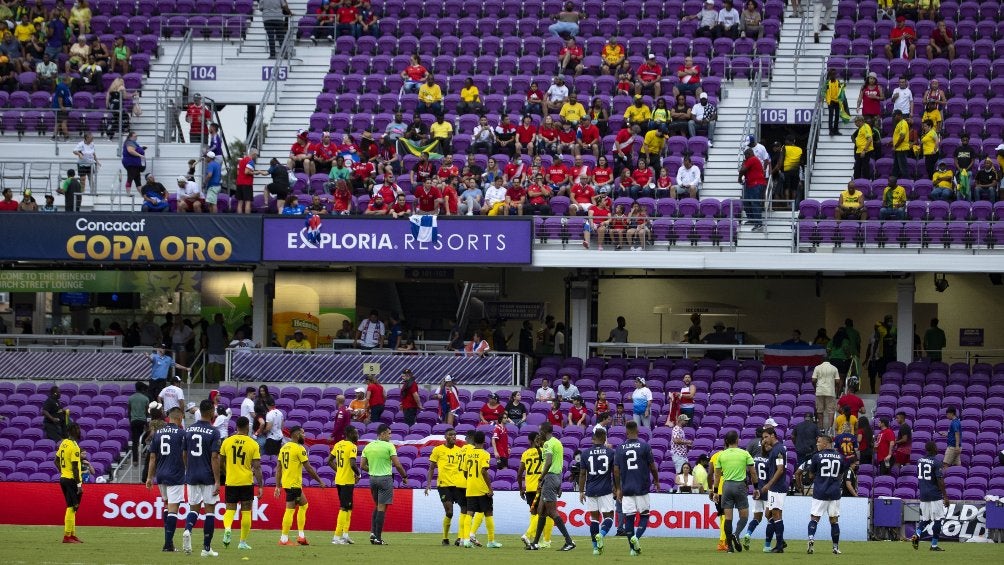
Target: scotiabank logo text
(153, 510)
(705, 519)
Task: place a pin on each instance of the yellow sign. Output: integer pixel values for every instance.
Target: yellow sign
(371, 369)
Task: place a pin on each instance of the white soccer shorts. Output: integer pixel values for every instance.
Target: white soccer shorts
(172, 494)
(758, 506)
(822, 508)
(201, 494)
(635, 504)
(933, 510)
(775, 501)
(601, 504)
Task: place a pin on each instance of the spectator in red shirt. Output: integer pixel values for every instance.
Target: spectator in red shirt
(578, 414)
(942, 42)
(852, 400)
(624, 147)
(534, 100)
(300, 156)
(245, 181)
(649, 76)
(754, 181)
(375, 394)
(513, 171)
(423, 171)
(624, 185)
(526, 134)
(362, 176)
(690, 78)
(325, 16)
(348, 20)
(557, 177)
(410, 400)
(603, 175)
(324, 154)
(588, 139)
(515, 199)
(492, 410)
(901, 41)
(401, 208)
(447, 168)
(500, 443)
(342, 199)
(198, 116)
(566, 138)
(451, 200)
(377, 207)
(642, 177)
(414, 75)
(554, 415)
(570, 57)
(884, 446)
(428, 198)
(583, 198)
(537, 197)
(598, 222)
(547, 137)
(8, 204)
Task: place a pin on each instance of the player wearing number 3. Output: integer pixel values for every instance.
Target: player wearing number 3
(292, 461)
(828, 469)
(243, 461)
(599, 483)
(202, 444)
(167, 461)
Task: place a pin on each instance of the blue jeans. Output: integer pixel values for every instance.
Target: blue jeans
(568, 28)
(900, 165)
(989, 194)
(753, 203)
(347, 29)
(892, 213)
(432, 108)
(945, 194)
(637, 192)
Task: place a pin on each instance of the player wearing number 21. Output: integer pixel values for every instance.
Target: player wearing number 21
(292, 461)
(243, 461)
(167, 461)
(202, 446)
(829, 469)
(599, 484)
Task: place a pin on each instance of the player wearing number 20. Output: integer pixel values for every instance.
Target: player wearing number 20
(167, 461)
(202, 444)
(828, 469)
(599, 483)
(933, 497)
(637, 471)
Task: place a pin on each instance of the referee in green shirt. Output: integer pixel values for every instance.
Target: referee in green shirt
(380, 460)
(736, 468)
(550, 487)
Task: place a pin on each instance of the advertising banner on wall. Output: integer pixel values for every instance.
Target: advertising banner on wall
(131, 238)
(377, 240)
(963, 521)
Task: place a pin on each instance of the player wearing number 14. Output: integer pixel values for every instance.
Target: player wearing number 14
(243, 460)
(599, 483)
(202, 444)
(167, 461)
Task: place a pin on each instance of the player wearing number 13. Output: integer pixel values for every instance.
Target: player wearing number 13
(599, 483)
(202, 445)
(243, 463)
(828, 468)
(933, 498)
(638, 472)
(167, 461)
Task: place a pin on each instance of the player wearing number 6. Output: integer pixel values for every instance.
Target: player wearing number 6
(243, 463)
(292, 461)
(167, 461)
(828, 468)
(202, 445)
(599, 483)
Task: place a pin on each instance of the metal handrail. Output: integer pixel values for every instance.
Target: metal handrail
(683, 350)
(170, 97)
(24, 340)
(270, 97)
(803, 32)
(814, 129)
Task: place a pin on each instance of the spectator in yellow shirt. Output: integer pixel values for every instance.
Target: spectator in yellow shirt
(791, 162)
(638, 113)
(298, 343)
(572, 110)
(832, 100)
(850, 206)
(430, 98)
(900, 144)
(944, 183)
(864, 144)
(470, 99)
(933, 112)
(930, 144)
(893, 201)
(614, 58)
(442, 131)
(24, 30)
(928, 9)
(651, 148)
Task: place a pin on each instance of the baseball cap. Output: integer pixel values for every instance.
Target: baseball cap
(640, 379)
(684, 417)
(360, 389)
(190, 407)
(213, 394)
(210, 154)
(751, 141)
(182, 178)
(770, 423)
(1000, 147)
(651, 56)
(448, 379)
(298, 332)
(704, 96)
(872, 75)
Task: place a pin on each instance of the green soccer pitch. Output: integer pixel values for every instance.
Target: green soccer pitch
(41, 545)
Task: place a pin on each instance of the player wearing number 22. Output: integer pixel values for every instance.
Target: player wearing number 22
(202, 445)
(828, 469)
(599, 483)
(638, 474)
(933, 498)
(292, 461)
(167, 461)
(243, 463)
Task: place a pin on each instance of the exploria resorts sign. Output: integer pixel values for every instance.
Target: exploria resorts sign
(378, 240)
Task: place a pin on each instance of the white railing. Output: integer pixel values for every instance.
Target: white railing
(814, 129)
(270, 97)
(55, 342)
(803, 32)
(680, 350)
(169, 99)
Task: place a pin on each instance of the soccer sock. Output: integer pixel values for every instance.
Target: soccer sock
(193, 517)
(770, 532)
(594, 529)
(208, 528)
(245, 524)
(548, 528)
(741, 525)
(301, 520)
(561, 528)
(629, 528)
(447, 520)
(338, 524)
(835, 533)
(373, 524)
(642, 525)
(779, 532)
(721, 529)
(465, 525)
(540, 529)
(606, 526)
(812, 529)
(935, 533)
(490, 526)
(170, 525)
(752, 527)
(287, 523)
(68, 520)
(476, 523)
(228, 519)
(347, 523)
(379, 524)
(532, 528)
(728, 529)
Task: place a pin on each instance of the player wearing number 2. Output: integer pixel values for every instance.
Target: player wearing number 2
(243, 463)
(635, 467)
(599, 483)
(828, 469)
(933, 497)
(292, 461)
(167, 460)
(202, 445)
(773, 490)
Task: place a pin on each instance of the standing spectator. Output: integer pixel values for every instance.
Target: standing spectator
(87, 161)
(245, 180)
(62, 101)
(804, 437)
(213, 181)
(273, 428)
(953, 446)
(161, 365)
(375, 398)
(680, 444)
(215, 142)
(863, 148)
(846, 418)
(370, 333)
(641, 402)
(619, 334)
(138, 403)
(545, 393)
(410, 400)
(449, 401)
(500, 443)
(790, 164)
(942, 43)
(852, 400)
(934, 341)
(870, 98)
(172, 396)
(754, 181)
(865, 437)
(55, 416)
(902, 41)
(821, 15)
(247, 405)
(273, 14)
(566, 390)
(704, 115)
(900, 144)
(566, 22)
(904, 440)
(198, 115)
(134, 161)
(826, 378)
(831, 98)
(358, 406)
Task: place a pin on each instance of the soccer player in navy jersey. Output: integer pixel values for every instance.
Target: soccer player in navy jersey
(760, 479)
(933, 496)
(167, 462)
(828, 469)
(775, 488)
(638, 476)
(202, 445)
(599, 483)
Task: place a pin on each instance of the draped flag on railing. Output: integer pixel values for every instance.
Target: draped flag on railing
(845, 113)
(793, 354)
(417, 150)
(424, 228)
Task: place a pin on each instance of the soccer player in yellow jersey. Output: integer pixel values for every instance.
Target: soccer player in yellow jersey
(479, 491)
(344, 460)
(465, 519)
(446, 458)
(531, 465)
(243, 461)
(68, 462)
(715, 481)
(289, 473)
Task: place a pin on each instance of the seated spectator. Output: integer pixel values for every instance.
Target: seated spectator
(442, 131)
(602, 175)
(907, 9)
(572, 111)
(893, 201)
(704, 115)
(8, 204)
(566, 22)
(751, 21)
(928, 9)
(537, 197)
(339, 171)
(363, 175)
(578, 414)
(325, 27)
(688, 178)
(324, 153)
(598, 222)
(624, 86)
(707, 19)
(624, 185)
(495, 198)
(414, 75)
(638, 114)
(986, 180)
(79, 53)
(483, 137)
(49, 205)
(583, 197)
(293, 206)
(554, 415)
(430, 97)
(566, 139)
(369, 24)
(101, 54)
(902, 41)
(544, 393)
(660, 116)
(515, 200)
(680, 117)
(341, 199)
(316, 206)
(358, 406)
(556, 95)
(516, 410)
(492, 172)
(727, 24)
(377, 207)
(685, 482)
(643, 177)
(570, 57)
(945, 187)
(401, 208)
(300, 155)
(639, 229)
(599, 114)
(664, 184)
(942, 43)
(965, 154)
(649, 77)
(428, 198)
(505, 136)
(471, 199)
(558, 178)
(535, 100)
(347, 20)
(526, 136)
(45, 74)
(28, 203)
(470, 99)
(90, 80)
(189, 195)
(690, 78)
(120, 56)
(614, 57)
(547, 137)
(850, 206)
(34, 49)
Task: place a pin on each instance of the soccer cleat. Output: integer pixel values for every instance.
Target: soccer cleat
(337, 541)
(936, 548)
(347, 540)
(545, 545)
(302, 541)
(567, 547)
(526, 541)
(736, 545)
(596, 551)
(186, 542)
(288, 543)
(532, 547)
(472, 541)
(243, 545)
(811, 543)
(67, 539)
(599, 543)
(168, 549)
(635, 545)
(836, 550)
(722, 546)
(372, 536)
(633, 553)
(378, 541)
(493, 545)
(915, 541)
(766, 549)
(226, 538)
(458, 542)
(468, 544)
(779, 550)
(746, 541)
(209, 553)
(446, 542)
(76, 539)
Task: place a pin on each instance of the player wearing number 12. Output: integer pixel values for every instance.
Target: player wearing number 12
(933, 497)
(202, 445)
(292, 461)
(828, 468)
(167, 460)
(446, 461)
(243, 464)
(343, 460)
(638, 476)
(599, 483)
